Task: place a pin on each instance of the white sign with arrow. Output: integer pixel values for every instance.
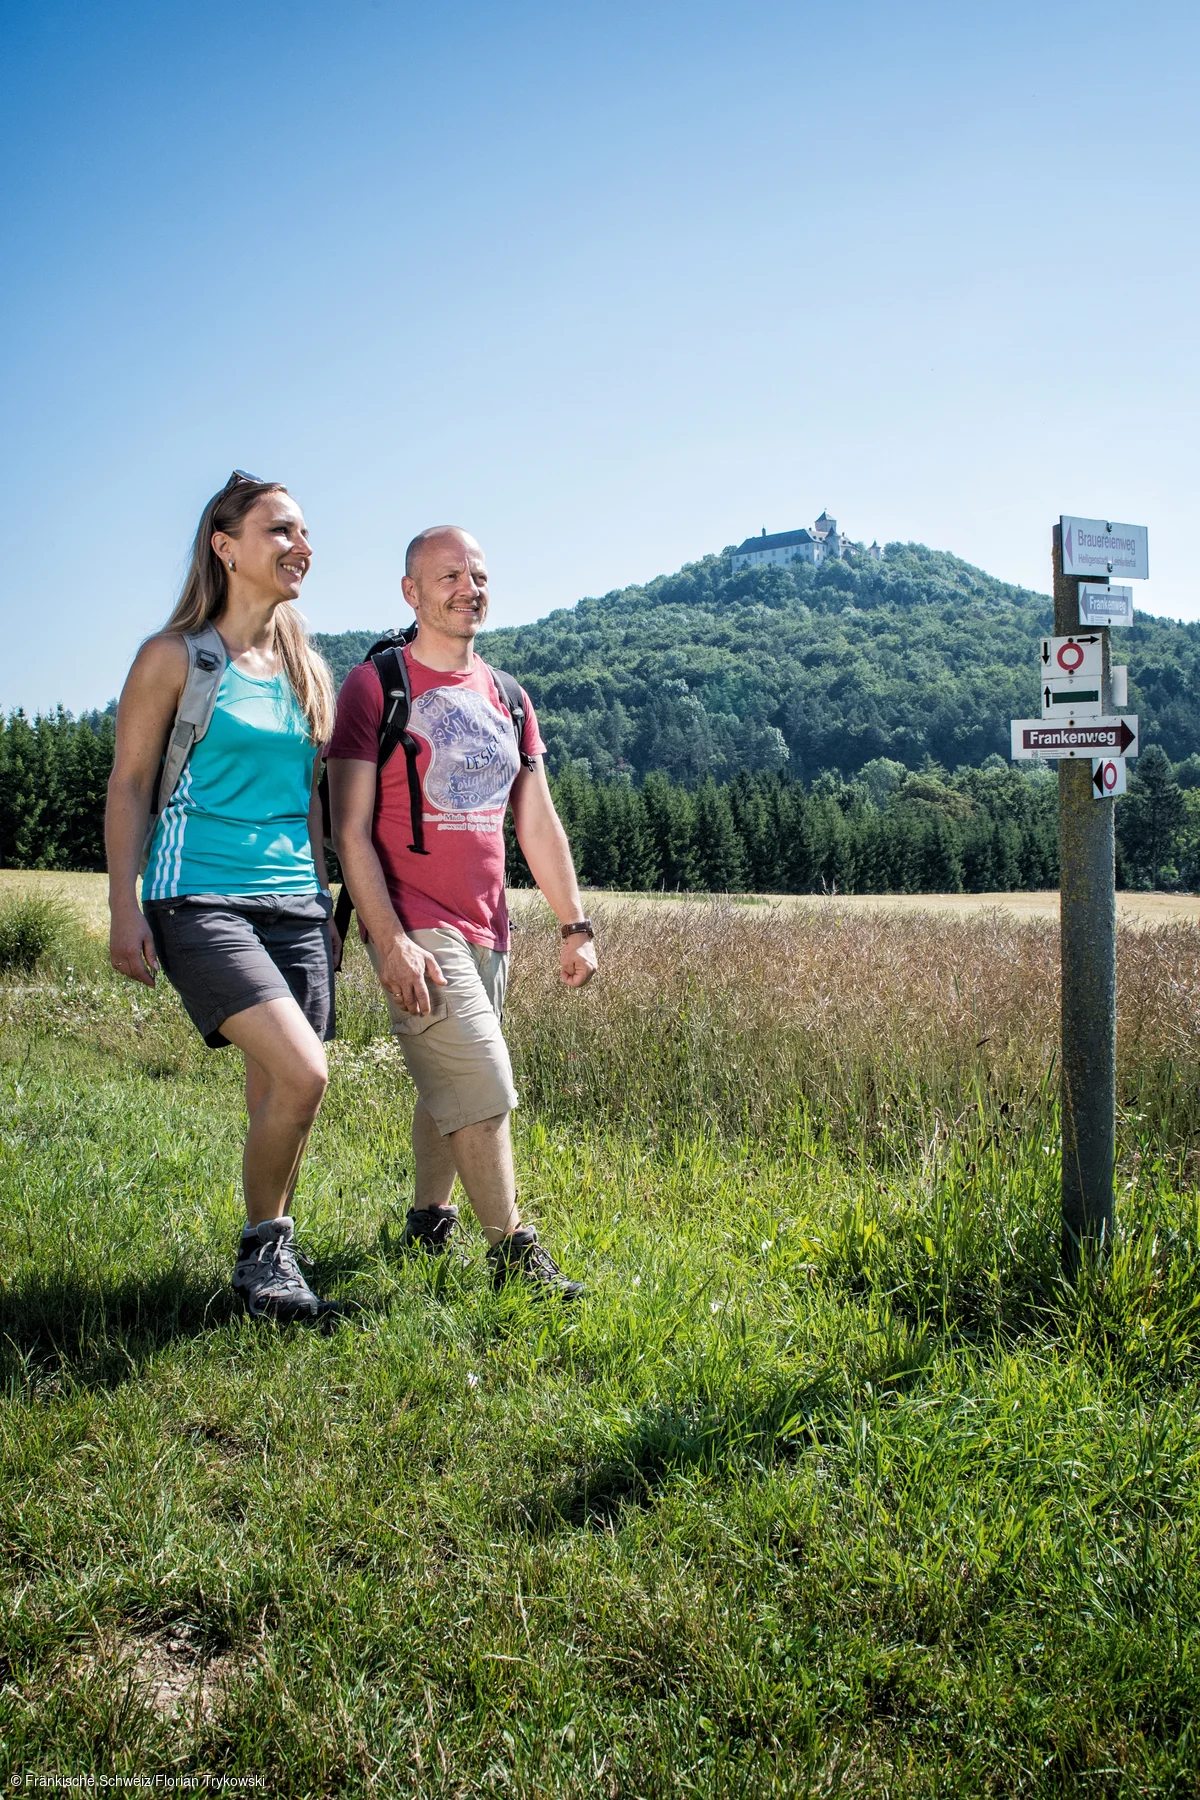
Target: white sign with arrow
(1098, 547)
(1083, 655)
(1033, 739)
(1071, 697)
(1108, 777)
(1105, 605)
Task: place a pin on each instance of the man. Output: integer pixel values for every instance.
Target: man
(432, 900)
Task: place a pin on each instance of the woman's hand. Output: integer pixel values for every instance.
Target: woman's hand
(131, 948)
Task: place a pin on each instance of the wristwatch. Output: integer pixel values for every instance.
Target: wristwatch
(581, 928)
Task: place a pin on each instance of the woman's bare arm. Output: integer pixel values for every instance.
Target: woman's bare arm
(145, 715)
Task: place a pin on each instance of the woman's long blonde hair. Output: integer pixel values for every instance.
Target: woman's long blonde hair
(206, 590)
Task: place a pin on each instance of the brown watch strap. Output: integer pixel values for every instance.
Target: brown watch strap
(581, 928)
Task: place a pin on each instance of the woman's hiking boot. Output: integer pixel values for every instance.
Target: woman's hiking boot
(430, 1228)
(267, 1278)
(521, 1258)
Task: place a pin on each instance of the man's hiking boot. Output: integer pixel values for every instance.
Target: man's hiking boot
(267, 1278)
(521, 1258)
(430, 1229)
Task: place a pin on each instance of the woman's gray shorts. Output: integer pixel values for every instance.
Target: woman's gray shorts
(225, 952)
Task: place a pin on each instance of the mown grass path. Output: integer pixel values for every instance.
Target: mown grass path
(828, 1487)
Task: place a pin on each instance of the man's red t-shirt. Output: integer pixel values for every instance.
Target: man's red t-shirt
(467, 762)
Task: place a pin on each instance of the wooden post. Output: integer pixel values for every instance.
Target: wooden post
(1087, 865)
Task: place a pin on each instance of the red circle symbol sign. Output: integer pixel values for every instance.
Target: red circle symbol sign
(1070, 657)
(1109, 776)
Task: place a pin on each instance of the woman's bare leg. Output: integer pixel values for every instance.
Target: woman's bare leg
(286, 1078)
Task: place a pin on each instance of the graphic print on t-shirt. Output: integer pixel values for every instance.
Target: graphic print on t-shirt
(473, 759)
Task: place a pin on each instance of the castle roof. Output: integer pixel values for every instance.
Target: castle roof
(778, 540)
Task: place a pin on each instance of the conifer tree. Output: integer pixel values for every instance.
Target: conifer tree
(720, 858)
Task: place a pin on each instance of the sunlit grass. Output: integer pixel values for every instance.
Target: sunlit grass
(830, 1486)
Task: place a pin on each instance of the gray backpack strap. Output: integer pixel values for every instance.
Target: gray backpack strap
(207, 658)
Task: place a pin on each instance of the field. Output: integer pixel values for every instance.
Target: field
(830, 1486)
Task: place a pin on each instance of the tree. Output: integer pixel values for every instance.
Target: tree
(719, 857)
(1150, 821)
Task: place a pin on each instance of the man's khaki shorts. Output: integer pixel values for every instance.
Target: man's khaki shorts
(456, 1053)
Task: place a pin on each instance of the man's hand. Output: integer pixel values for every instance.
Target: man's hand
(131, 948)
(405, 969)
(335, 944)
(578, 961)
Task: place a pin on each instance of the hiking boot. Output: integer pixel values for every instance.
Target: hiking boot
(267, 1278)
(521, 1257)
(430, 1228)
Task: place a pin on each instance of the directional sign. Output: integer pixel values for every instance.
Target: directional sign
(1071, 697)
(1083, 656)
(1098, 547)
(1105, 605)
(1036, 738)
(1108, 777)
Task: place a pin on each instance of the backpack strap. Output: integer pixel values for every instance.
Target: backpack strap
(207, 660)
(514, 699)
(392, 671)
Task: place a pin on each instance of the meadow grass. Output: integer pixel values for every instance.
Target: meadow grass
(830, 1486)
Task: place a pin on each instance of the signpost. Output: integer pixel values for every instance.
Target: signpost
(1081, 731)
(1088, 911)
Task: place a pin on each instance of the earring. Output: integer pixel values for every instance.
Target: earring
(231, 562)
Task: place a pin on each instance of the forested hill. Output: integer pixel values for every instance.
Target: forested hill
(705, 672)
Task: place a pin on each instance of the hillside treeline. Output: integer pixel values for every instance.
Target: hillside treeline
(888, 831)
(985, 830)
(796, 670)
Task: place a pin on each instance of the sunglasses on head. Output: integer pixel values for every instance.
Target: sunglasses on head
(240, 475)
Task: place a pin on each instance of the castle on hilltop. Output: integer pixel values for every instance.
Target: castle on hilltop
(813, 546)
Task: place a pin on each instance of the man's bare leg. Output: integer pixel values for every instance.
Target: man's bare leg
(434, 1167)
(483, 1157)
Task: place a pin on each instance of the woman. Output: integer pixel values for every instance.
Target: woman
(235, 913)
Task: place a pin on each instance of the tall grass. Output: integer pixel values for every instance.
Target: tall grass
(32, 925)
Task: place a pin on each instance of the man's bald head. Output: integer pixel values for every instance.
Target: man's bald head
(450, 537)
(446, 584)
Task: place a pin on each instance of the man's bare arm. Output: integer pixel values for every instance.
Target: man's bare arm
(404, 968)
(545, 848)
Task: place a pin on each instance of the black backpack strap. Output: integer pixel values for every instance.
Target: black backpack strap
(342, 912)
(392, 671)
(514, 699)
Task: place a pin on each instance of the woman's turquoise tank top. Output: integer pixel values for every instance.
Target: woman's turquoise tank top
(237, 822)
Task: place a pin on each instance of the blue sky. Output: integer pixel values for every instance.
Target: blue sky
(612, 285)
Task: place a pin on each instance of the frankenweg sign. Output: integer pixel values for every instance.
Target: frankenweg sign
(1098, 547)
(1097, 737)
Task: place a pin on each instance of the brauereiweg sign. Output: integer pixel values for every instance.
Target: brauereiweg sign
(1098, 547)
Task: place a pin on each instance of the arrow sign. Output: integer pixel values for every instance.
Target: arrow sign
(1108, 777)
(1082, 655)
(1044, 738)
(1066, 697)
(1105, 605)
(1099, 548)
